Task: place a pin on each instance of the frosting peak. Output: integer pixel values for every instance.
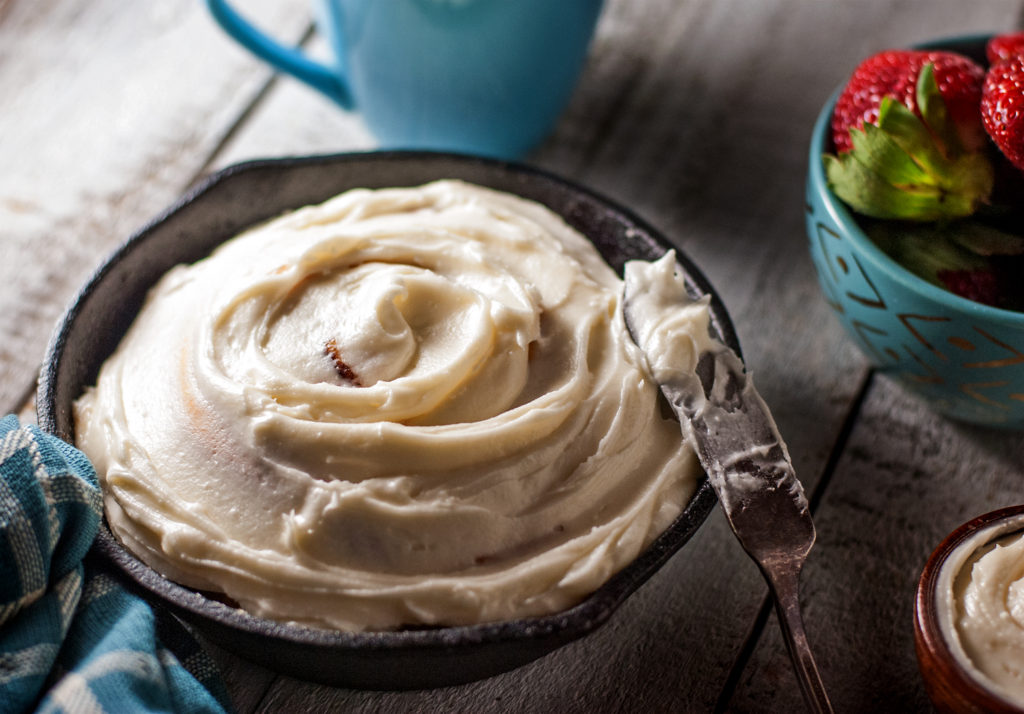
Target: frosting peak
(403, 406)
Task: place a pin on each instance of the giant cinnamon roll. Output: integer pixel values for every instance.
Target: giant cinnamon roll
(402, 406)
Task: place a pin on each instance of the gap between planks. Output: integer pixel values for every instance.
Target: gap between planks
(25, 406)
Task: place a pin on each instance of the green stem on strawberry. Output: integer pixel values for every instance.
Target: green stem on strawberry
(935, 252)
(908, 167)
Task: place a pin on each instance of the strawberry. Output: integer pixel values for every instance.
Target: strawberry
(1002, 107)
(909, 138)
(960, 256)
(894, 73)
(980, 285)
(1003, 47)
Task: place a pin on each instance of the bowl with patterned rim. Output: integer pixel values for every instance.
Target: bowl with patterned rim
(962, 358)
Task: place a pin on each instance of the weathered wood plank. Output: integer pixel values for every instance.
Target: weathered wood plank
(110, 109)
(247, 683)
(695, 114)
(906, 480)
(294, 120)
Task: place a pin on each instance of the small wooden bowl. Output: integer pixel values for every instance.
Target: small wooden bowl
(953, 684)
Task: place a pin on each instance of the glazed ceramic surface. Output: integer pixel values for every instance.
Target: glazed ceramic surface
(965, 359)
(474, 75)
(246, 194)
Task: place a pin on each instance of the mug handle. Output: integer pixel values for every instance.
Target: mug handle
(287, 59)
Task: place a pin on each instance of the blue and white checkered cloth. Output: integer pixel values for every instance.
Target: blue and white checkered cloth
(71, 638)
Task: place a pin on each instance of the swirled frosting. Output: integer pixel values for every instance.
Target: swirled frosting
(402, 406)
(986, 609)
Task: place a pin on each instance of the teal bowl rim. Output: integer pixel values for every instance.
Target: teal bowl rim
(843, 218)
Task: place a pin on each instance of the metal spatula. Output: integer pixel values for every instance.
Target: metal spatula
(747, 462)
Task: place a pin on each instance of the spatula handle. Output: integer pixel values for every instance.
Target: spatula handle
(785, 586)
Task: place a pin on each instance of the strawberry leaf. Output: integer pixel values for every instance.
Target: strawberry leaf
(902, 169)
(912, 136)
(925, 249)
(869, 193)
(983, 239)
(937, 252)
(934, 113)
(880, 151)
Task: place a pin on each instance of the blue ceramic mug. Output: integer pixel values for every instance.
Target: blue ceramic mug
(480, 76)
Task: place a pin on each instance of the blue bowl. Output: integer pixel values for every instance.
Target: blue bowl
(964, 359)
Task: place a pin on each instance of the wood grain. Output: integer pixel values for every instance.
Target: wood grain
(110, 110)
(860, 579)
(695, 114)
(907, 479)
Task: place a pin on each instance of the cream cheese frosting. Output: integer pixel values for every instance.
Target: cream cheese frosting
(985, 610)
(402, 406)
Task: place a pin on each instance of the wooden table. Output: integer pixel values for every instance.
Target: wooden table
(695, 113)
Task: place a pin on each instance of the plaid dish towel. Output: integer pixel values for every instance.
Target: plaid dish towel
(71, 638)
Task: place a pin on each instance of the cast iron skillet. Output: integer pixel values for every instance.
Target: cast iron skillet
(219, 208)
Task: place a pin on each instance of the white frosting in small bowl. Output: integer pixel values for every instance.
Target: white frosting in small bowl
(400, 407)
(980, 606)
